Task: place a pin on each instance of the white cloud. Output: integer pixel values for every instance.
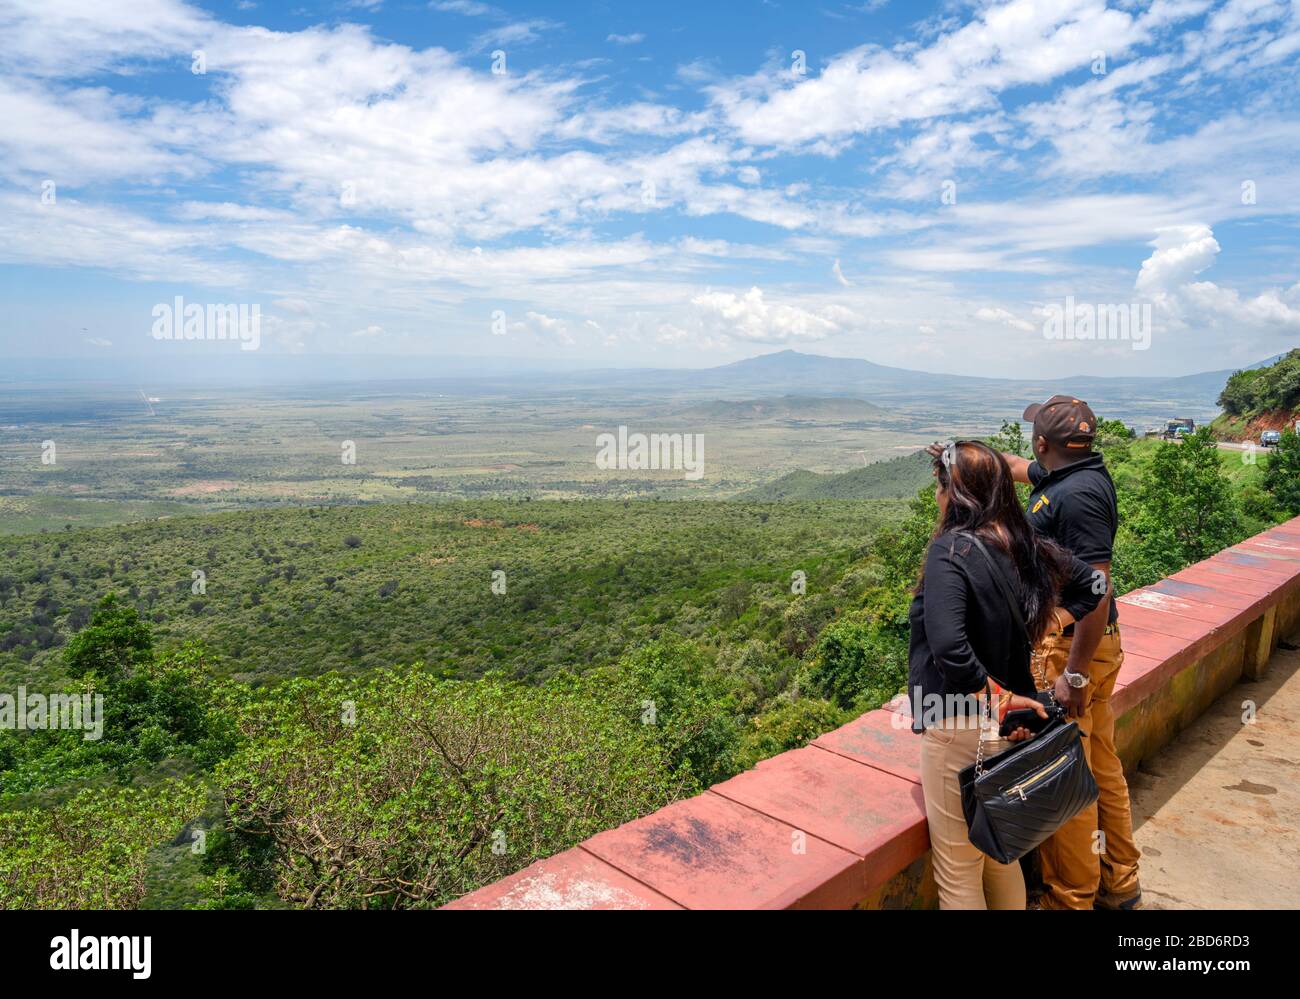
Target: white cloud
(79, 135)
(76, 234)
(470, 8)
(1168, 276)
(1005, 45)
(995, 314)
(634, 38)
(544, 327)
(336, 173)
(79, 39)
(515, 33)
(750, 317)
(1181, 252)
(229, 212)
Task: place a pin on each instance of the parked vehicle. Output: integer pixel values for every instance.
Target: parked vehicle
(1179, 428)
(1271, 438)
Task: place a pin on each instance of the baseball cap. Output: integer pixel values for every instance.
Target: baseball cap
(1064, 421)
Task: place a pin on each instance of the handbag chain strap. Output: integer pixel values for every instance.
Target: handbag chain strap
(979, 743)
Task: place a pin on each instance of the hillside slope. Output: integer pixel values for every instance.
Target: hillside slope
(897, 478)
(1249, 428)
(1265, 397)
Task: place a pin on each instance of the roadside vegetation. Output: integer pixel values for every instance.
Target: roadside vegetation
(1260, 399)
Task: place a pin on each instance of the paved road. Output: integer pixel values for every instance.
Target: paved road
(1218, 810)
(1234, 446)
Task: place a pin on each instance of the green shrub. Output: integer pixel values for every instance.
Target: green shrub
(858, 664)
(89, 852)
(788, 725)
(406, 790)
(671, 688)
(1282, 474)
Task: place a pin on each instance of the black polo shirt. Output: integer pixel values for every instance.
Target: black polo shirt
(1076, 507)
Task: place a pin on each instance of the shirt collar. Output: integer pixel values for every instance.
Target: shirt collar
(1094, 461)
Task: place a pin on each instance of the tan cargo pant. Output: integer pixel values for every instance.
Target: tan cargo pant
(1096, 847)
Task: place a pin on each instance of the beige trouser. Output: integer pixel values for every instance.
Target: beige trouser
(966, 878)
(1096, 847)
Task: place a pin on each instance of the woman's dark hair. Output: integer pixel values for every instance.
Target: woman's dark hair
(982, 501)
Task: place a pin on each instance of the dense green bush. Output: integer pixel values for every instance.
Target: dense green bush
(152, 710)
(670, 688)
(1183, 511)
(116, 642)
(1282, 474)
(405, 789)
(858, 663)
(89, 852)
(789, 724)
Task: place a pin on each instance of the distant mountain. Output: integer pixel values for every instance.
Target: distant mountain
(820, 409)
(789, 369)
(899, 477)
(794, 370)
(919, 396)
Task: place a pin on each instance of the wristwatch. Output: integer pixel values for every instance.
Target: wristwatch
(1075, 680)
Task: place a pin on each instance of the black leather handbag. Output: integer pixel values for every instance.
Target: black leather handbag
(1016, 799)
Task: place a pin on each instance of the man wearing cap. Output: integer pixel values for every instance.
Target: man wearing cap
(1073, 502)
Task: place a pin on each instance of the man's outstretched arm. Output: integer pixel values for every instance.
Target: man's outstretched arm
(1019, 467)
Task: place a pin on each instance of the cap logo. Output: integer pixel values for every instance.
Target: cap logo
(1084, 426)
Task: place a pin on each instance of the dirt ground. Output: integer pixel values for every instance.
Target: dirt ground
(1218, 810)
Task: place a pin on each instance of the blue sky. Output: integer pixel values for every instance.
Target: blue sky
(656, 183)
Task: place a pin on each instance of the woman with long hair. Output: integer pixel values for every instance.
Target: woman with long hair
(967, 664)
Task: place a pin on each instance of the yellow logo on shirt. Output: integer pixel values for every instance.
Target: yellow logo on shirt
(1042, 501)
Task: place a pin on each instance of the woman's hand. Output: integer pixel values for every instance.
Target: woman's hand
(1016, 703)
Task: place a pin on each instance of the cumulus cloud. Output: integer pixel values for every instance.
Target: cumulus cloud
(751, 318)
(1187, 307)
(1181, 252)
(544, 327)
(998, 315)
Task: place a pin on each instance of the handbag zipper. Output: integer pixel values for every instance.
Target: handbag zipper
(1050, 768)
